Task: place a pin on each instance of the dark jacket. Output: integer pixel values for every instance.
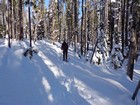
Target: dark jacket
(64, 46)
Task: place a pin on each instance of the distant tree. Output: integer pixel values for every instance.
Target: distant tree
(42, 21)
(15, 19)
(2, 19)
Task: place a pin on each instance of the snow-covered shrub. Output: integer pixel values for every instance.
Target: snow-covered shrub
(116, 57)
(97, 58)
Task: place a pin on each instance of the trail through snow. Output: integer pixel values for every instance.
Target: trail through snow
(47, 80)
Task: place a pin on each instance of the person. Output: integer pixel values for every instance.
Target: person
(64, 47)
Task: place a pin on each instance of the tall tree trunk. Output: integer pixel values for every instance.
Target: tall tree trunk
(59, 28)
(111, 26)
(88, 29)
(8, 31)
(3, 9)
(75, 24)
(122, 25)
(4, 24)
(85, 28)
(82, 27)
(29, 23)
(11, 19)
(20, 20)
(15, 18)
(126, 23)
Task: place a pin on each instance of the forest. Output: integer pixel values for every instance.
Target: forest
(100, 30)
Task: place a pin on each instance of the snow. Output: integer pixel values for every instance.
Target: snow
(47, 80)
(113, 0)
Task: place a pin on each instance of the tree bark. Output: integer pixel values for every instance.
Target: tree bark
(82, 28)
(20, 20)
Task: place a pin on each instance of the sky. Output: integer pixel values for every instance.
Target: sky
(46, 80)
(47, 3)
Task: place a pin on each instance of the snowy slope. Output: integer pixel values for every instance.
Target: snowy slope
(47, 80)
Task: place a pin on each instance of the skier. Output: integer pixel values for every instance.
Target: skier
(64, 47)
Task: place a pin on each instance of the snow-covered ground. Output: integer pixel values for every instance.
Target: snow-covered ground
(47, 80)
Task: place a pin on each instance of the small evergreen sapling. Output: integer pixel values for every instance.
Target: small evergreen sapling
(29, 52)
